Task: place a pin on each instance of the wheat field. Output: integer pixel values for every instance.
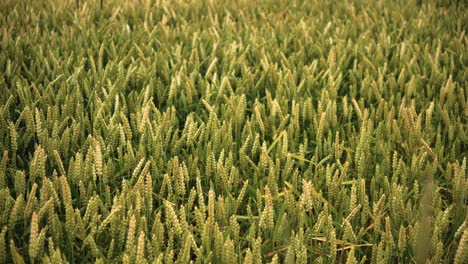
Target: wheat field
(196, 131)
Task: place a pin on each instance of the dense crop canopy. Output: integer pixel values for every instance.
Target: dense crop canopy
(243, 132)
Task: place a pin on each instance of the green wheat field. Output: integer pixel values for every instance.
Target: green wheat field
(249, 131)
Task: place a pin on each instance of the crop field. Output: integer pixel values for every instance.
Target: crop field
(210, 131)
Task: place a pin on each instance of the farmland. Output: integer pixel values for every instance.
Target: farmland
(233, 131)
